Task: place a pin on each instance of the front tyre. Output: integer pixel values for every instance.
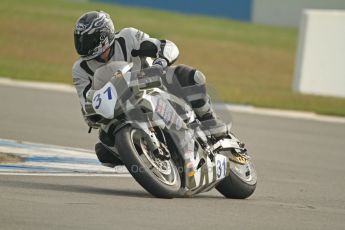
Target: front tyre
(159, 177)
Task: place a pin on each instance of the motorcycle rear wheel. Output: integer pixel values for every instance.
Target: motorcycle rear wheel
(241, 183)
(235, 188)
(159, 177)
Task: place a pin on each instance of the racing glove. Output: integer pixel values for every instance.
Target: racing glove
(160, 62)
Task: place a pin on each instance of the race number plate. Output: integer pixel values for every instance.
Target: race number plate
(221, 166)
(104, 101)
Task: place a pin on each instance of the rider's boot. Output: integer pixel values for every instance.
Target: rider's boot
(210, 123)
(106, 151)
(106, 156)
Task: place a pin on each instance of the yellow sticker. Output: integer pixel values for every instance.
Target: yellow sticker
(192, 173)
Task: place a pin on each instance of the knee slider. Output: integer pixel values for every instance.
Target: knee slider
(199, 78)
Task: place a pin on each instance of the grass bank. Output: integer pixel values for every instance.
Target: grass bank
(244, 63)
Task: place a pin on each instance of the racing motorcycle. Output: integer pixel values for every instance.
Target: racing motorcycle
(159, 139)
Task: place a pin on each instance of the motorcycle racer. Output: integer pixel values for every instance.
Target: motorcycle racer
(97, 43)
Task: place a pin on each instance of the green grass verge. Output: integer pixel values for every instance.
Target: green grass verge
(244, 63)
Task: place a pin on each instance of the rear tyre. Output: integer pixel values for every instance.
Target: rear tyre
(158, 177)
(233, 187)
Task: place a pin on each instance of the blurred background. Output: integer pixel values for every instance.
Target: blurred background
(246, 48)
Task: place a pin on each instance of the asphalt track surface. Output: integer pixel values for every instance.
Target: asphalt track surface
(300, 165)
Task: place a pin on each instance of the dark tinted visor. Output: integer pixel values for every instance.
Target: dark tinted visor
(86, 43)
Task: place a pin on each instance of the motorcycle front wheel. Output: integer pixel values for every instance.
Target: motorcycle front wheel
(159, 177)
